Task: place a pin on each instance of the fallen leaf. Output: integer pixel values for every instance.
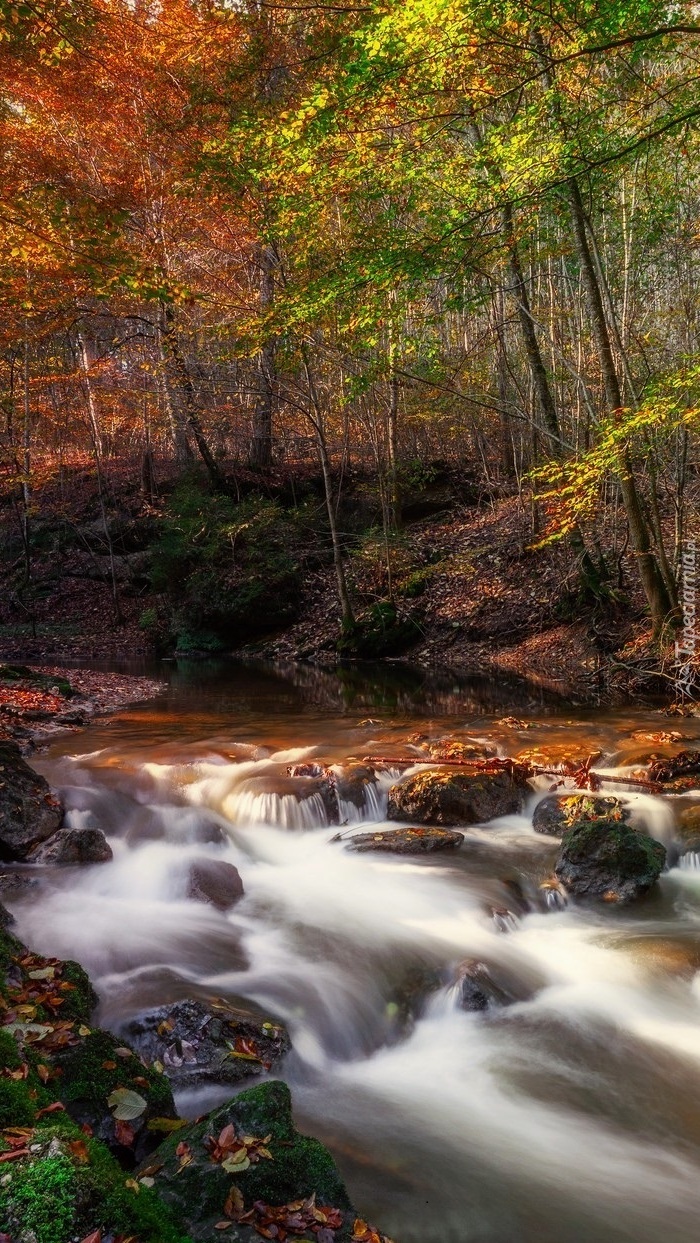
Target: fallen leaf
(234, 1204)
(79, 1150)
(132, 1184)
(126, 1104)
(95, 1237)
(109, 1065)
(237, 1162)
(166, 1124)
(124, 1134)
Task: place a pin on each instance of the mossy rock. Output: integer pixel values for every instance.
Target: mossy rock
(80, 1000)
(68, 1187)
(196, 1189)
(606, 860)
(559, 812)
(94, 1068)
(451, 798)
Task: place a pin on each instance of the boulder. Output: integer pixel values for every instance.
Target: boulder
(29, 812)
(607, 860)
(352, 782)
(456, 798)
(406, 841)
(559, 812)
(279, 1174)
(94, 1075)
(214, 881)
(197, 1043)
(72, 846)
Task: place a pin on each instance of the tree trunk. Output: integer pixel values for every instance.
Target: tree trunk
(260, 457)
(192, 414)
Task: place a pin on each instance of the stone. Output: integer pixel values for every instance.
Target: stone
(418, 841)
(72, 846)
(559, 812)
(456, 798)
(29, 812)
(607, 860)
(299, 1167)
(208, 1043)
(214, 881)
(683, 765)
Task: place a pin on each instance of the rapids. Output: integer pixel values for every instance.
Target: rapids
(570, 1115)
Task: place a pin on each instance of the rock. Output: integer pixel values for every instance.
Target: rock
(487, 987)
(442, 749)
(194, 1042)
(684, 764)
(352, 782)
(299, 1167)
(16, 882)
(214, 881)
(605, 859)
(72, 846)
(406, 841)
(559, 812)
(456, 798)
(94, 1068)
(29, 812)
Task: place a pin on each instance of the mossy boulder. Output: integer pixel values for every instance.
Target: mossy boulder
(91, 1071)
(66, 1186)
(558, 813)
(451, 798)
(196, 1187)
(29, 812)
(608, 861)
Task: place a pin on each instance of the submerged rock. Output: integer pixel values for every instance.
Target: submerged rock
(215, 1043)
(71, 846)
(406, 841)
(607, 860)
(29, 812)
(456, 798)
(559, 812)
(214, 881)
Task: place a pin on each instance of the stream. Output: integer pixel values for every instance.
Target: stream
(569, 1115)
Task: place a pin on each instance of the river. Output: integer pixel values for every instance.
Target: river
(570, 1115)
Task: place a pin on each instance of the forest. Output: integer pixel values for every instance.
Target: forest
(280, 281)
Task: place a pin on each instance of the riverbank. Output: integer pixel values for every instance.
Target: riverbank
(39, 701)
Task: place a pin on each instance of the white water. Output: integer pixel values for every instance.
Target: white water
(569, 1116)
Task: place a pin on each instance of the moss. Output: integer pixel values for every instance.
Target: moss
(17, 1108)
(59, 1194)
(87, 1081)
(9, 1053)
(81, 1000)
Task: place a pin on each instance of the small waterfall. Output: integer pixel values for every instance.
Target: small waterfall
(286, 811)
(690, 862)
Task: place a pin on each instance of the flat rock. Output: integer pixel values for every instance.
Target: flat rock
(198, 1043)
(29, 812)
(456, 798)
(418, 841)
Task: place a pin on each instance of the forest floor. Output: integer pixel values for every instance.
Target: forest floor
(485, 599)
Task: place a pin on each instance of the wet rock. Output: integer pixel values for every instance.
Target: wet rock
(73, 846)
(410, 995)
(449, 798)
(607, 860)
(472, 996)
(298, 1167)
(352, 782)
(683, 765)
(559, 756)
(214, 881)
(214, 1043)
(29, 812)
(559, 812)
(442, 749)
(406, 841)
(16, 882)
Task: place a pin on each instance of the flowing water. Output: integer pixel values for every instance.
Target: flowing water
(570, 1115)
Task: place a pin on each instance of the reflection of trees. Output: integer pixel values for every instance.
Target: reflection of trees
(258, 687)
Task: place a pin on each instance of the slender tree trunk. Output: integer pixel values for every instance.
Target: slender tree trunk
(178, 429)
(192, 413)
(658, 599)
(97, 450)
(260, 457)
